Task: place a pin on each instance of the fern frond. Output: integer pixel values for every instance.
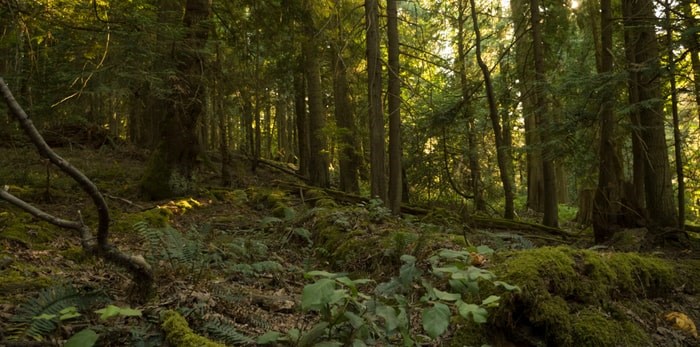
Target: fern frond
(226, 332)
(50, 301)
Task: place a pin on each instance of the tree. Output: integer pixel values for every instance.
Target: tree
(374, 96)
(172, 166)
(607, 206)
(501, 149)
(642, 50)
(318, 158)
(551, 212)
(394, 103)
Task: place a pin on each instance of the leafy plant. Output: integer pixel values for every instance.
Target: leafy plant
(40, 316)
(226, 332)
(349, 316)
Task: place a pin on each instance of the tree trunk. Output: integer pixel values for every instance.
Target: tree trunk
(394, 102)
(348, 158)
(318, 159)
(378, 185)
(608, 196)
(644, 67)
(170, 171)
(473, 150)
(677, 141)
(542, 119)
(501, 153)
(301, 119)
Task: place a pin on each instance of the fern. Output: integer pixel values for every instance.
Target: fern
(226, 332)
(50, 301)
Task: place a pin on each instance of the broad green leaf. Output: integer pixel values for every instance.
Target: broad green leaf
(111, 311)
(358, 343)
(436, 319)
(447, 269)
(69, 315)
(451, 254)
(268, 337)
(312, 335)
(477, 313)
(483, 249)
(293, 334)
(354, 320)
(408, 259)
(446, 295)
(84, 338)
(506, 286)
(491, 301)
(318, 294)
(348, 283)
(388, 313)
(328, 344)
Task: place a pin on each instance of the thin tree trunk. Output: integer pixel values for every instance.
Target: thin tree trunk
(348, 157)
(378, 185)
(542, 118)
(677, 141)
(607, 200)
(301, 120)
(501, 153)
(394, 102)
(473, 150)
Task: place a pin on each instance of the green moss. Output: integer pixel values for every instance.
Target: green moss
(155, 218)
(591, 327)
(22, 228)
(236, 197)
(565, 292)
(21, 277)
(179, 334)
(76, 254)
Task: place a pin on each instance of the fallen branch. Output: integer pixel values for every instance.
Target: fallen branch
(98, 244)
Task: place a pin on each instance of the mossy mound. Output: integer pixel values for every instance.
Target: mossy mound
(24, 229)
(573, 297)
(179, 334)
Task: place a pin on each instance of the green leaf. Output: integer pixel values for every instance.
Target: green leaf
(358, 343)
(491, 301)
(310, 337)
(388, 313)
(483, 249)
(450, 254)
(348, 283)
(506, 286)
(446, 296)
(84, 338)
(45, 316)
(293, 334)
(268, 337)
(69, 315)
(111, 311)
(317, 295)
(477, 313)
(408, 259)
(355, 320)
(436, 320)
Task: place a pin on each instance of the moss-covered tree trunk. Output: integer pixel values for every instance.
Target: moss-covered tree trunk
(172, 166)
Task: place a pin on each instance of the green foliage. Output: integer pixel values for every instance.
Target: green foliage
(350, 316)
(84, 338)
(226, 332)
(40, 316)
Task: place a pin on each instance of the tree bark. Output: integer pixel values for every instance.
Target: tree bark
(171, 169)
(394, 103)
(349, 160)
(378, 185)
(542, 119)
(501, 150)
(677, 141)
(607, 205)
(302, 123)
(644, 69)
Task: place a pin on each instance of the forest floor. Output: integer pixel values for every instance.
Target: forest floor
(234, 261)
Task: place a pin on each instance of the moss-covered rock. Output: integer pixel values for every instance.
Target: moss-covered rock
(179, 334)
(567, 294)
(22, 228)
(21, 277)
(154, 218)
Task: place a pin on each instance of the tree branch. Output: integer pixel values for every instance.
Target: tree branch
(136, 264)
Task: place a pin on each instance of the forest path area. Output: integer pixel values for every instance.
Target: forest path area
(232, 262)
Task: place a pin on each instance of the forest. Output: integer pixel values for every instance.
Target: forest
(349, 173)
